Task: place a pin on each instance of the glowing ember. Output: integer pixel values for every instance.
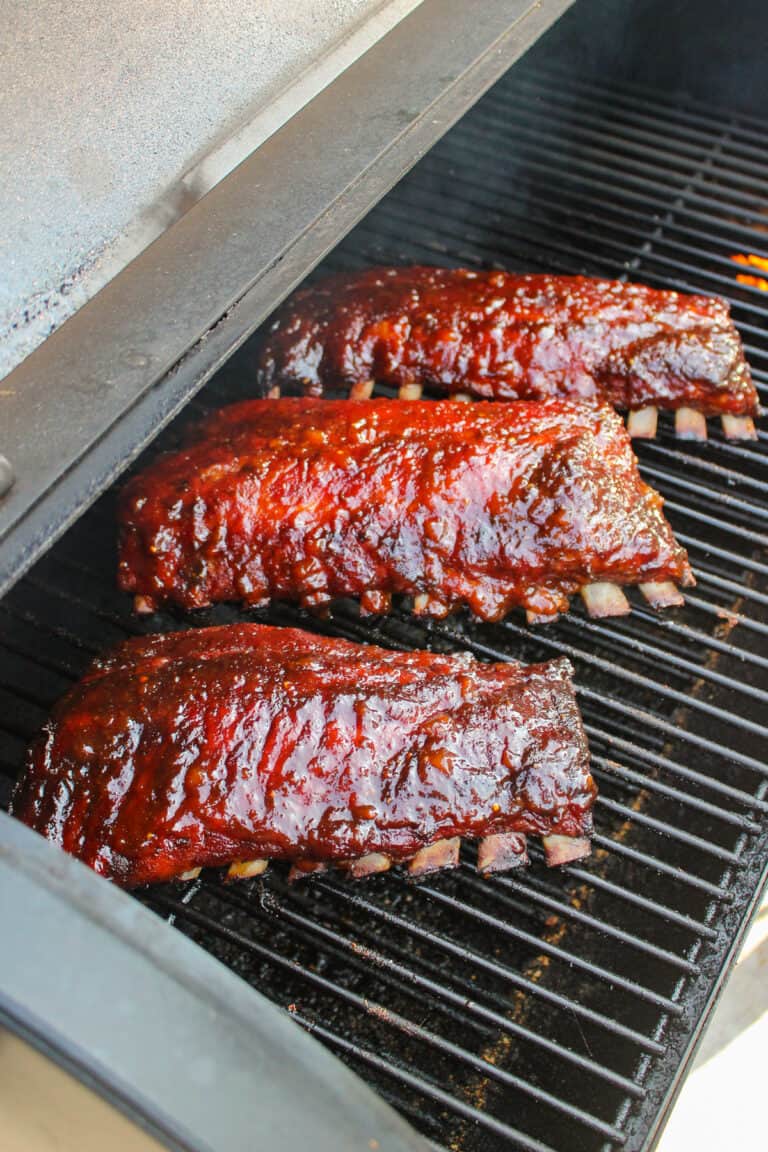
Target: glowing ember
(752, 261)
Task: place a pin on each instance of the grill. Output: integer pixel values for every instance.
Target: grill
(548, 1009)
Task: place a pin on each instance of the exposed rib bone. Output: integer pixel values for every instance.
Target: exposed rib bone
(533, 617)
(301, 869)
(274, 393)
(604, 599)
(461, 396)
(662, 594)
(501, 852)
(361, 390)
(369, 865)
(690, 424)
(409, 392)
(244, 869)
(435, 857)
(144, 605)
(738, 427)
(426, 605)
(190, 874)
(564, 849)
(375, 603)
(642, 423)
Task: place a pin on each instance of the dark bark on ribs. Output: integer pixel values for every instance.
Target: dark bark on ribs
(508, 337)
(493, 505)
(247, 742)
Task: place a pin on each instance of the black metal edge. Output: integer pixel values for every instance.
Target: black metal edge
(159, 1028)
(86, 401)
(657, 1112)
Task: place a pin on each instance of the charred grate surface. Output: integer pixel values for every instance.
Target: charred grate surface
(549, 1010)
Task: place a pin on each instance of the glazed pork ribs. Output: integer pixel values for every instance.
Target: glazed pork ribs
(233, 746)
(506, 337)
(491, 505)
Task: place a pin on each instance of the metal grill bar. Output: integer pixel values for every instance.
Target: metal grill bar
(445, 995)
(312, 929)
(754, 297)
(665, 830)
(612, 769)
(645, 100)
(671, 659)
(390, 1067)
(467, 954)
(390, 1064)
(553, 950)
(600, 925)
(669, 145)
(742, 591)
(752, 301)
(671, 162)
(642, 754)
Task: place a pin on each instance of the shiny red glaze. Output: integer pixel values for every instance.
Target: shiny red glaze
(489, 504)
(245, 742)
(508, 337)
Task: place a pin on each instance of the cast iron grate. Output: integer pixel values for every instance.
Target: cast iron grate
(546, 1010)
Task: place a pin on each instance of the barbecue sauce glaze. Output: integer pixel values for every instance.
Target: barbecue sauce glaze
(233, 743)
(508, 337)
(491, 505)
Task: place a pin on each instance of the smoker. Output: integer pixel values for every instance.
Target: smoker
(545, 1011)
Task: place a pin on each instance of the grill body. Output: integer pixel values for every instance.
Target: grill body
(545, 1010)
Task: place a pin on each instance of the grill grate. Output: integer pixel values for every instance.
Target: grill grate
(546, 1010)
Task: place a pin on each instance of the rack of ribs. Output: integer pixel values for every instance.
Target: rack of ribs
(236, 745)
(494, 506)
(507, 337)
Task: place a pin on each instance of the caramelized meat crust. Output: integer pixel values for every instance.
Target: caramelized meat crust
(491, 505)
(506, 337)
(227, 744)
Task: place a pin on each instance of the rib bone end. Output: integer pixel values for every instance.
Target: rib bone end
(435, 857)
(362, 390)
(564, 849)
(410, 392)
(462, 397)
(302, 869)
(738, 427)
(245, 869)
(369, 865)
(604, 599)
(426, 605)
(533, 617)
(501, 853)
(190, 874)
(144, 605)
(642, 423)
(690, 424)
(663, 594)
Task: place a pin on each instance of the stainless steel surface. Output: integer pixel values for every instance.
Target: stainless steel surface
(169, 319)
(115, 118)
